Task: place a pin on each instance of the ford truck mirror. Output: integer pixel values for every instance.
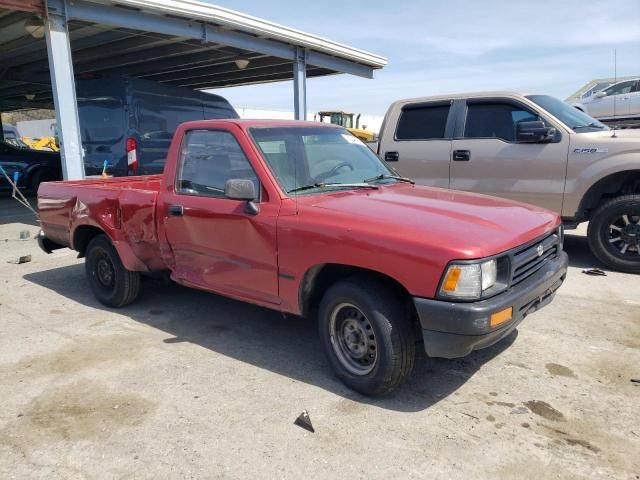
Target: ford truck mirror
(535, 132)
(242, 189)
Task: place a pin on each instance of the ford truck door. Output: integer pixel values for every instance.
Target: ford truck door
(419, 147)
(487, 158)
(220, 244)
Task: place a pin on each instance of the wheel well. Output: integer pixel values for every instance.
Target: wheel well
(82, 236)
(615, 185)
(319, 278)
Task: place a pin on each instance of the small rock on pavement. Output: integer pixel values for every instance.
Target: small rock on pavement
(22, 259)
(24, 234)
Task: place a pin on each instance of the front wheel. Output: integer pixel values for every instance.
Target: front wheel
(367, 335)
(614, 233)
(112, 284)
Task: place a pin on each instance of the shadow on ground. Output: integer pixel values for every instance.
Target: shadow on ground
(580, 256)
(285, 345)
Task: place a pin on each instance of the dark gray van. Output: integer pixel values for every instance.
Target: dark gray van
(129, 123)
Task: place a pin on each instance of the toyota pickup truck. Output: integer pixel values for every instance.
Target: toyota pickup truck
(531, 148)
(303, 218)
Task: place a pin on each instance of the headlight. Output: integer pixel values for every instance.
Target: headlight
(469, 280)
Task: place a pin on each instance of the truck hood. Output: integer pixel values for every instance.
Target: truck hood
(467, 225)
(629, 134)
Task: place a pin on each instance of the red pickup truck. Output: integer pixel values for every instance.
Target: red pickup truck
(303, 218)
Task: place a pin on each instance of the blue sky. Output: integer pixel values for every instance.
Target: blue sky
(436, 47)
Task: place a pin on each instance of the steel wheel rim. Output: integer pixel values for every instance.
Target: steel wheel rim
(104, 271)
(623, 236)
(353, 339)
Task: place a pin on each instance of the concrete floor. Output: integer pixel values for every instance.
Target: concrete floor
(185, 384)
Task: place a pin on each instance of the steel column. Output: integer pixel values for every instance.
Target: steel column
(300, 84)
(1, 129)
(64, 90)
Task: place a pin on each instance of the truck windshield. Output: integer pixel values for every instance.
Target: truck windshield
(313, 159)
(573, 118)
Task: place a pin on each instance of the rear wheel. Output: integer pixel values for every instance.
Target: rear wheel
(614, 233)
(39, 176)
(111, 283)
(367, 335)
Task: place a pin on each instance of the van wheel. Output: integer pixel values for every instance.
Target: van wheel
(614, 233)
(367, 336)
(112, 284)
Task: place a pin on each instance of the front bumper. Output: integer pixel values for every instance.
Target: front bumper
(455, 329)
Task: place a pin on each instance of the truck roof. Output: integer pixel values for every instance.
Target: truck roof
(246, 123)
(456, 96)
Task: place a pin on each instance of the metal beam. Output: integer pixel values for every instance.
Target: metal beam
(120, 17)
(300, 85)
(64, 94)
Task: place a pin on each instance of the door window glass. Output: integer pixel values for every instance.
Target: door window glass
(620, 88)
(422, 122)
(209, 158)
(495, 120)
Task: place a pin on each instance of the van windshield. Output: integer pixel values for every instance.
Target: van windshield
(101, 119)
(572, 117)
(313, 159)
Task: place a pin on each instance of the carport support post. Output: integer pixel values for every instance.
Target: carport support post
(300, 84)
(64, 90)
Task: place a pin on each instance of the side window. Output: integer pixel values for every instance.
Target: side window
(422, 122)
(495, 120)
(209, 158)
(620, 88)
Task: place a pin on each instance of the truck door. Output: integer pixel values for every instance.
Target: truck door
(217, 243)
(419, 147)
(487, 158)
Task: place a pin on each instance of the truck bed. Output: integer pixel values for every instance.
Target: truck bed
(123, 207)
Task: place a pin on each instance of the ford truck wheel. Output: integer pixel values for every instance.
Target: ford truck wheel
(112, 284)
(367, 336)
(614, 233)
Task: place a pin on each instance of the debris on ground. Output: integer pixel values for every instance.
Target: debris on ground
(635, 380)
(24, 234)
(595, 272)
(23, 259)
(304, 421)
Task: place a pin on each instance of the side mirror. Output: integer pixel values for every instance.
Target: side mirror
(535, 132)
(242, 189)
(600, 94)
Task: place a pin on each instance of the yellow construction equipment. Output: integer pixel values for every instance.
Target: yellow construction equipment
(44, 143)
(345, 119)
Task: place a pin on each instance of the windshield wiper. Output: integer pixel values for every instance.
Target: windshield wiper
(384, 176)
(332, 185)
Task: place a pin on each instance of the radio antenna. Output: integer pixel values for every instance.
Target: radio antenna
(615, 80)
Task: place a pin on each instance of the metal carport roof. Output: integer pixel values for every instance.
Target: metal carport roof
(179, 42)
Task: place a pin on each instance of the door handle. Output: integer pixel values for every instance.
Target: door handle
(391, 156)
(175, 210)
(461, 155)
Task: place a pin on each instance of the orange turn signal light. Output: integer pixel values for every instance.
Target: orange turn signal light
(451, 281)
(501, 316)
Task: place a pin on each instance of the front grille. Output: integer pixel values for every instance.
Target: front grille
(529, 259)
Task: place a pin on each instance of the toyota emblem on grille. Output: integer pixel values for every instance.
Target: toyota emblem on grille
(540, 250)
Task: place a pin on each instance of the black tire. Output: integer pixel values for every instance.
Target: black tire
(384, 315)
(111, 283)
(617, 218)
(37, 177)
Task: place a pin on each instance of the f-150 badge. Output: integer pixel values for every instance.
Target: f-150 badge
(590, 150)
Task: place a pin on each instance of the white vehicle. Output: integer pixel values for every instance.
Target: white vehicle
(618, 101)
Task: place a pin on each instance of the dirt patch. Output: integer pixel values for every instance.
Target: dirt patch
(77, 411)
(491, 418)
(73, 358)
(560, 370)
(582, 443)
(545, 410)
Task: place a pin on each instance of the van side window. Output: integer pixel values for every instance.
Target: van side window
(208, 158)
(422, 122)
(495, 120)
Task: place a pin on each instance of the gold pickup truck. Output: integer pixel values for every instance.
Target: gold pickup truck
(532, 148)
